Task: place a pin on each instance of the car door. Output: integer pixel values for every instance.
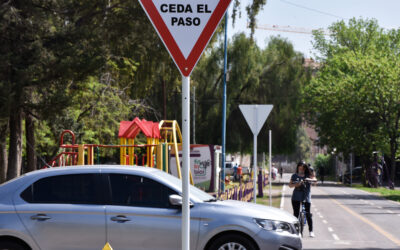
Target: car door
(141, 217)
(64, 212)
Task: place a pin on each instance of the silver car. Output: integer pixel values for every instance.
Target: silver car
(84, 207)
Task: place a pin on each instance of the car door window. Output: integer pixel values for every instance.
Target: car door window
(64, 189)
(133, 190)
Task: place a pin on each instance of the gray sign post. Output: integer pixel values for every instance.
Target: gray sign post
(255, 116)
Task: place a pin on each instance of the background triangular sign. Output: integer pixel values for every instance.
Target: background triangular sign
(255, 115)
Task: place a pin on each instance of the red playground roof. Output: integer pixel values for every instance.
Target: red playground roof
(130, 129)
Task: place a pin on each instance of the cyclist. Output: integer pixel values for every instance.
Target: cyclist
(302, 192)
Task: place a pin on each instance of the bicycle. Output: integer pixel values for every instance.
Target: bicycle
(303, 213)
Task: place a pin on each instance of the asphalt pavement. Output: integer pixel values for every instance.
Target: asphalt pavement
(347, 218)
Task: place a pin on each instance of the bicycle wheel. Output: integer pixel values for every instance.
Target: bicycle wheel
(301, 221)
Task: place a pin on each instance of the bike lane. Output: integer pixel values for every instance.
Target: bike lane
(345, 219)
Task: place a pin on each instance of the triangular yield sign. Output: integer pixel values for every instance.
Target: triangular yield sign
(255, 115)
(185, 27)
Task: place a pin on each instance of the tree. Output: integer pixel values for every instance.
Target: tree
(354, 100)
(273, 75)
(45, 47)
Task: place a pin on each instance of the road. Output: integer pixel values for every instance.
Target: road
(347, 218)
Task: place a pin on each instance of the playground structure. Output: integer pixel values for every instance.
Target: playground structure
(162, 139)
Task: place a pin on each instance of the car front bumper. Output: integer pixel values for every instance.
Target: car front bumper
(279, 241)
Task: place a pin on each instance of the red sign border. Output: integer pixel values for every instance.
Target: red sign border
(185, 66)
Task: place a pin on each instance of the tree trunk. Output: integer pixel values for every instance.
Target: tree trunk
(15, 149)
(30, 143)
(393, 161)
(3, 152)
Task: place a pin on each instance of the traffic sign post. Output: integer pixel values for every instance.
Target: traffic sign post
(255, 116)
(185, 27)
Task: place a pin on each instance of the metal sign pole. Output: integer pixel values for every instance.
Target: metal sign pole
(270, 167)
(224, 109)
(255, 167)
(185, 162)
(255, 156)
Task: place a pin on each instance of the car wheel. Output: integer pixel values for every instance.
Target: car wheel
(11, 245)
(232, 242)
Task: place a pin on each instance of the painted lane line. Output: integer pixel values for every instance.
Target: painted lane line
(330, 229)
(379, 207)
(368, 222)
(324, 221)
(283, 196)
(320, 216)
(335, 237)
(390, 212)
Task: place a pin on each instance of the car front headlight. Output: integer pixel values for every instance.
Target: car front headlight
(274, 225)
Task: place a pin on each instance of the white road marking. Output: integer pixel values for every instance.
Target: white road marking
(390, 212)
(320, 216)
(324, 221)
(335, 237)
(283, 196)
(330, 229)
(379, 207)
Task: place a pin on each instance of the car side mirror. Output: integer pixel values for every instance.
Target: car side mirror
(176, 200)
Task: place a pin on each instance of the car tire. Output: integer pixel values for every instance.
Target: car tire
(11, 245)
(232, 241)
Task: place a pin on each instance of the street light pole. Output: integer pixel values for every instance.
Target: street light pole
(224, 107)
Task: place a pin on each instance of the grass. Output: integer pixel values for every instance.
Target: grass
(276, 191)
(389, 194)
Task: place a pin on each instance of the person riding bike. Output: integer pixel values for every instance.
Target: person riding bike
(302, 192)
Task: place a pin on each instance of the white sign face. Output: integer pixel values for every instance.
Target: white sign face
(185, 17)
(255, 115)
(185, 27)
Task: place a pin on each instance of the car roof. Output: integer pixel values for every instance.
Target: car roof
(16, 182)
(84, 168)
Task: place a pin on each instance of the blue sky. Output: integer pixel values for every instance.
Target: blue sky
(312, 14)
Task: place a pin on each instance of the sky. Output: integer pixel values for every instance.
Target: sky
(313, 14)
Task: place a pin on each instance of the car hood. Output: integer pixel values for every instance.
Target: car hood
(239, 208)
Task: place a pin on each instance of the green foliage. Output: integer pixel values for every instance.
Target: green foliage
(326, 162)
(94, 116)
(303, 146)
(273, 75)
(354, 100)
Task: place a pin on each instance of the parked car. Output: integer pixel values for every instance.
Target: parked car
(83, 207)
(355, 176)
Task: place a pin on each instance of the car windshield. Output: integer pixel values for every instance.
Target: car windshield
(195, 193)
